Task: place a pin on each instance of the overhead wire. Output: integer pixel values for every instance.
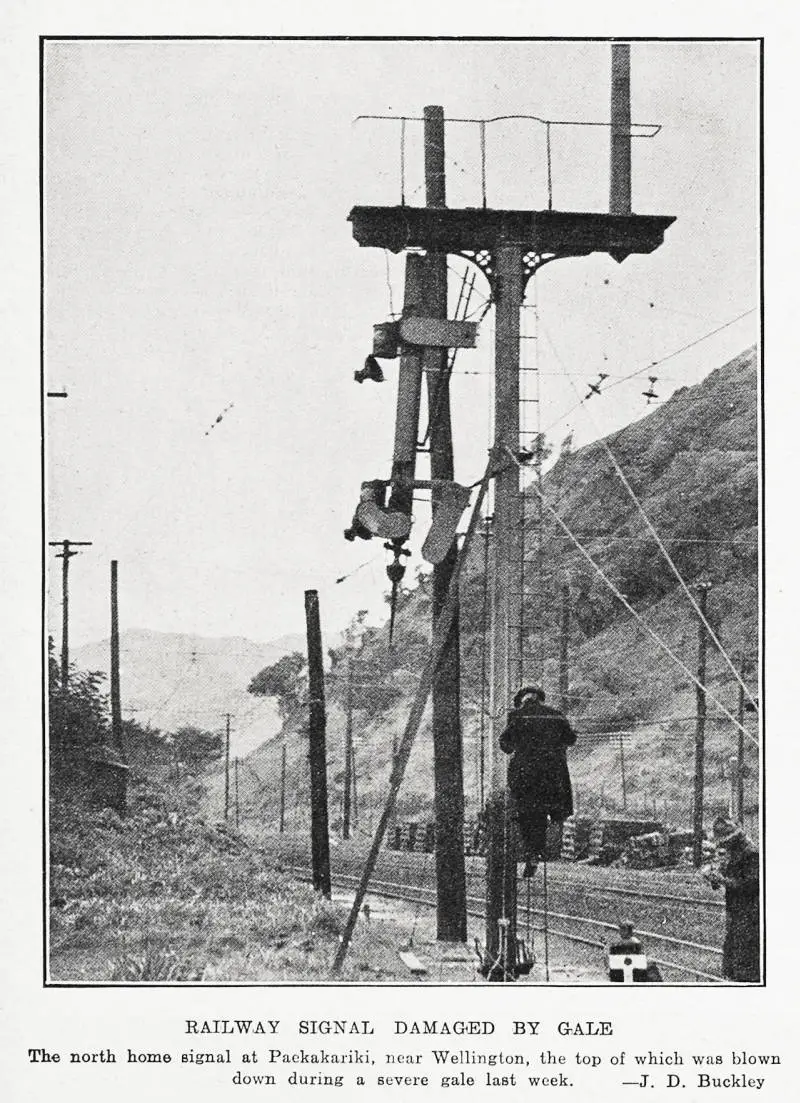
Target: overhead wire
(637, 616)
(617, 380)
(660, 544)
(683, 348)
(160, 707)
(366, 563)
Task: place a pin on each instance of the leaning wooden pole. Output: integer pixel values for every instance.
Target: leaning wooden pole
(438, 644)
(320, 852)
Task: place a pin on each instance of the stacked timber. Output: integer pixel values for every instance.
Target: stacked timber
(608, 838)
(474, 837)
(575, 838)
(426, 838)
(648, 851)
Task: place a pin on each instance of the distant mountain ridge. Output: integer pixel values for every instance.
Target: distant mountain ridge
(172, 679)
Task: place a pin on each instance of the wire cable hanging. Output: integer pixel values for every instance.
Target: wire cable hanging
(617, 380)
(163, 704)
(683, 348)
(665, 553)
(621, 598)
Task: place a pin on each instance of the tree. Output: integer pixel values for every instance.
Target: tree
(285, 681)
(145, 747)
(86, 722)
(196, 747)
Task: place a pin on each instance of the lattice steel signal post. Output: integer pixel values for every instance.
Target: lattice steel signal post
(509, 246)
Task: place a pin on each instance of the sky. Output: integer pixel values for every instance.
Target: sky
(198, 259)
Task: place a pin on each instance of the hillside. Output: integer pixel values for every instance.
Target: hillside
(693, 464)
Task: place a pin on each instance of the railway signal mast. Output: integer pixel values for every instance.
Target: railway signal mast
(508, 247)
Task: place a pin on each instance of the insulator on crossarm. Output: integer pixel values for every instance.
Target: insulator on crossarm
(650, 394)
(594, 388)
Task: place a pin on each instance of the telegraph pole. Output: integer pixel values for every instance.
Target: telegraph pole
(236, 791)
(227, 763)
(563, 663)
(65, 556)
(320, 853)
(348, 754)
(448, 769)
(354, 786)
(116, 703)
(744, 668)
(700, 731)
(282, 821)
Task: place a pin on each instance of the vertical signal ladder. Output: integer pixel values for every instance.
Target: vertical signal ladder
(529, 600)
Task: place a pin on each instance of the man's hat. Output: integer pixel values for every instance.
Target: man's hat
(725, 829)
(528, 691)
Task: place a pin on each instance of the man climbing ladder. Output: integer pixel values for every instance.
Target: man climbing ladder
(536, 737)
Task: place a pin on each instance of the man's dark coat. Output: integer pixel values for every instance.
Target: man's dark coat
(536, 737)
(741, 955)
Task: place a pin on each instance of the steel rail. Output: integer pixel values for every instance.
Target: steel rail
(642, 894)
(399, 891)
(615, 890)
(614, 926)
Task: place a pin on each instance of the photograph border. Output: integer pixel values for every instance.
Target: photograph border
(44, 40)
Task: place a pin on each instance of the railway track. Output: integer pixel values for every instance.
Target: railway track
(687, 957)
